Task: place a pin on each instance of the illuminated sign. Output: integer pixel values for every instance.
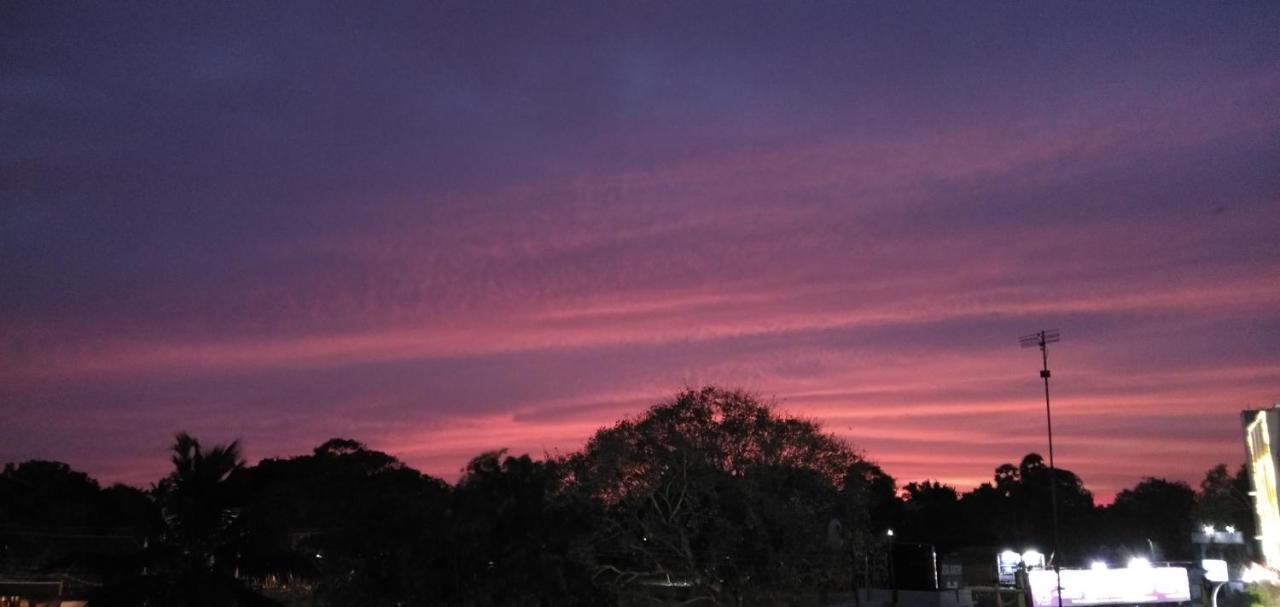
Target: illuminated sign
(1129, 586)
(1262, 467)
(1215, 570)
(1007, 564)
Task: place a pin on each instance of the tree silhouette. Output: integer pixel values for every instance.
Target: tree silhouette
(1224, 500)
(521, 534)
(1155, 516)
(374, 530)
(199, 558)
(40, 497)
(713, 495)
(931, 514)
(1015, 510)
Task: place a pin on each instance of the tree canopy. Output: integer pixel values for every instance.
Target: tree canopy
(712, 496)
(720, 494)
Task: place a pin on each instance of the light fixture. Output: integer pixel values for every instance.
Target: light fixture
(888, 532)
(1231, 529)
(1208, 529)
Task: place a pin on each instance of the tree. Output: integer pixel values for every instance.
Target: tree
(41, 494)
(1016, 509)
(1224, 500)
(1034, 497)
(1155, 515)
(375, 531)
(199, 559)
(56, 519)
(985, 514)
(932, 515)
(39, 501)
(520, 536)
(715, 494)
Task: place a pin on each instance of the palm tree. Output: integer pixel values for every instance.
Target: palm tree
(199, 558)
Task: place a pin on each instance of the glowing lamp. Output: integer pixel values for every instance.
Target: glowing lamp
(1098, 565)
(1138, 562)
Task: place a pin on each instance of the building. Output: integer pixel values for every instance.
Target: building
(1262, 446)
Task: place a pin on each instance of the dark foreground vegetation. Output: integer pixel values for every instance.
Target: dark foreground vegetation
(711, 495)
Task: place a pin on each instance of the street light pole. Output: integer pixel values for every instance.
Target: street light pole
(1042, 340)
(893, 579)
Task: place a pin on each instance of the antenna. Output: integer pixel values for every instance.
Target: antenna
(1042, 339)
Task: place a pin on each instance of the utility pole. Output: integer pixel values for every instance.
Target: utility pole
(1042, 339)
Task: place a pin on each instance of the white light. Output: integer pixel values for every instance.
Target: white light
(1208, 529)
(1138, 562)
(1256, 573)
(1231, 529)
(889, 532)
(1033, 558)
(1098, 565)
(1118, 586)
(1215, 570)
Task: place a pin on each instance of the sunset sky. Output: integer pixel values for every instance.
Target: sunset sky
(449, 227)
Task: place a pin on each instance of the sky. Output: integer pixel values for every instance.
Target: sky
(451, 227)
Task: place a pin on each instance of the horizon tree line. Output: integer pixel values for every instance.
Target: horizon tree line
(712, 497)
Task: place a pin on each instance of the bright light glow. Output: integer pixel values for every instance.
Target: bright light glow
(1257, 574)
(1007, 563)
(1208, 529)
(1215, 570)
(889, 532)
(1139, 562)
(1033, 558)
(1231, 529)
(1098, 565)
(1110, 586)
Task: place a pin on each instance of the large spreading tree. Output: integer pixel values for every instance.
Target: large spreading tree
(715, 495)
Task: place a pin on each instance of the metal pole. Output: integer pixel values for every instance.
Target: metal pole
(893, 578)
(1216, 587)
(1053, 481)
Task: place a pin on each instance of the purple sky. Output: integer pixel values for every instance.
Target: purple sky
(443, 228)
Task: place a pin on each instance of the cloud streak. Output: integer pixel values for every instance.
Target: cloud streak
(463, 234)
